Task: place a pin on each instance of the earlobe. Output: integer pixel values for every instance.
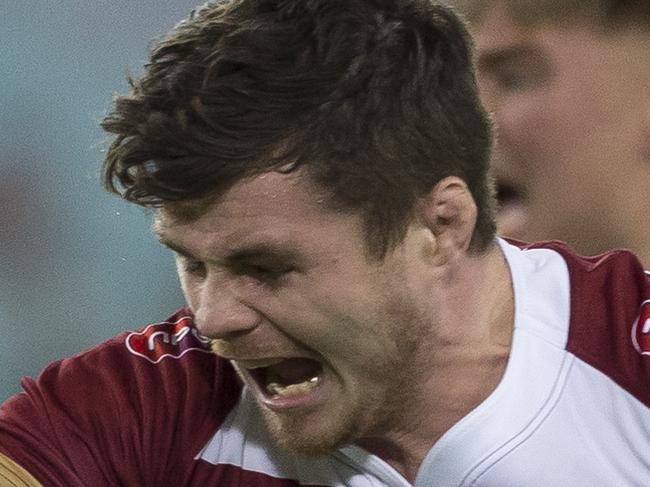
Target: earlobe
(450, 212)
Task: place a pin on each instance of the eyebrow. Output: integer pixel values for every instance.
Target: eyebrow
(261, 250)
(158, 230)
(489, 60)
(179, 249)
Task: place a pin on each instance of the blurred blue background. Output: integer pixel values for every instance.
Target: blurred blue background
(76, 265)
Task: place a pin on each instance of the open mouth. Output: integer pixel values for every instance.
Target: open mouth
(287, 378)
(508, 194)
(512, 214)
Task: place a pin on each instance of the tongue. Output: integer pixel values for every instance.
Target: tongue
(293, 371)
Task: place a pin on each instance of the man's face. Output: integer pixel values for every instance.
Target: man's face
(568, 102)
(324, 336)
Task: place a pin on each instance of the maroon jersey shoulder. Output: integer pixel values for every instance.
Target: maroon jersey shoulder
(610, 315)
(134, 410)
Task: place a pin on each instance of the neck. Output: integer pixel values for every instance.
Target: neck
(637, 237)
(630, 216)
(462, 363)
(641, 247)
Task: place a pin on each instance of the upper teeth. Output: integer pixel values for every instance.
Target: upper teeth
(289, 390)
(257, 364)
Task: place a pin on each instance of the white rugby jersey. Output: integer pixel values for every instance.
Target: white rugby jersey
(572, 408)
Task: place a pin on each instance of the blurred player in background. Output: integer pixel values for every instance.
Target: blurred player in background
(568, 83)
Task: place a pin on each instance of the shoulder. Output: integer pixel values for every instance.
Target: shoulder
(144, 397)
(609, 320)
(157, 362)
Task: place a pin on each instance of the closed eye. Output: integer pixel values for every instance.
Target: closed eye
(267, 263)
(264, 273)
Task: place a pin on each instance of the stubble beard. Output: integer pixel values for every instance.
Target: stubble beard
(292, 433)
(360, 415)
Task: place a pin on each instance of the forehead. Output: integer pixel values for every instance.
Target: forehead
(271, 206)
(499, 27)
(496, 28)
(535, 12)
(500, 38)
(501, 42)
(576, 47)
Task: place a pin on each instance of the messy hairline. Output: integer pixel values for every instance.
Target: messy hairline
(191, 209)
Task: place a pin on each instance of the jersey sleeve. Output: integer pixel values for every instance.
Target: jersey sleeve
(610, 316)
(133, 411)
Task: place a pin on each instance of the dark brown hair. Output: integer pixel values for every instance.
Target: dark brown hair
(376, 99)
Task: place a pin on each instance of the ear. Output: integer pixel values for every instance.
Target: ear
(449, 212)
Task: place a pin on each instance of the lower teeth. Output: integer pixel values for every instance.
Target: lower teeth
(277, 389)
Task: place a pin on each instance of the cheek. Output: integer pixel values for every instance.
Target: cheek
(337, 318)
(192, 288)
(523, 126)
(544, 143)
(186, 287)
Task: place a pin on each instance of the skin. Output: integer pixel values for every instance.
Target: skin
(408, 344)
(572, 107)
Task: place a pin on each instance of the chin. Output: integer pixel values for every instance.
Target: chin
(314, 434)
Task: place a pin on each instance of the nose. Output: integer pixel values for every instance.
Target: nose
(220, 313)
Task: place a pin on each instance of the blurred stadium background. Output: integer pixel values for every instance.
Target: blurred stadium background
(76, 265)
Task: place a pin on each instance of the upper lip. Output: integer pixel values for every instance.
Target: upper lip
(258, 363)
(252, 363)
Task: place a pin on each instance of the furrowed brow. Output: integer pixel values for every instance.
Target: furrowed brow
(255, 251)
(158, 230)
(266, 251)
(177, 248)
